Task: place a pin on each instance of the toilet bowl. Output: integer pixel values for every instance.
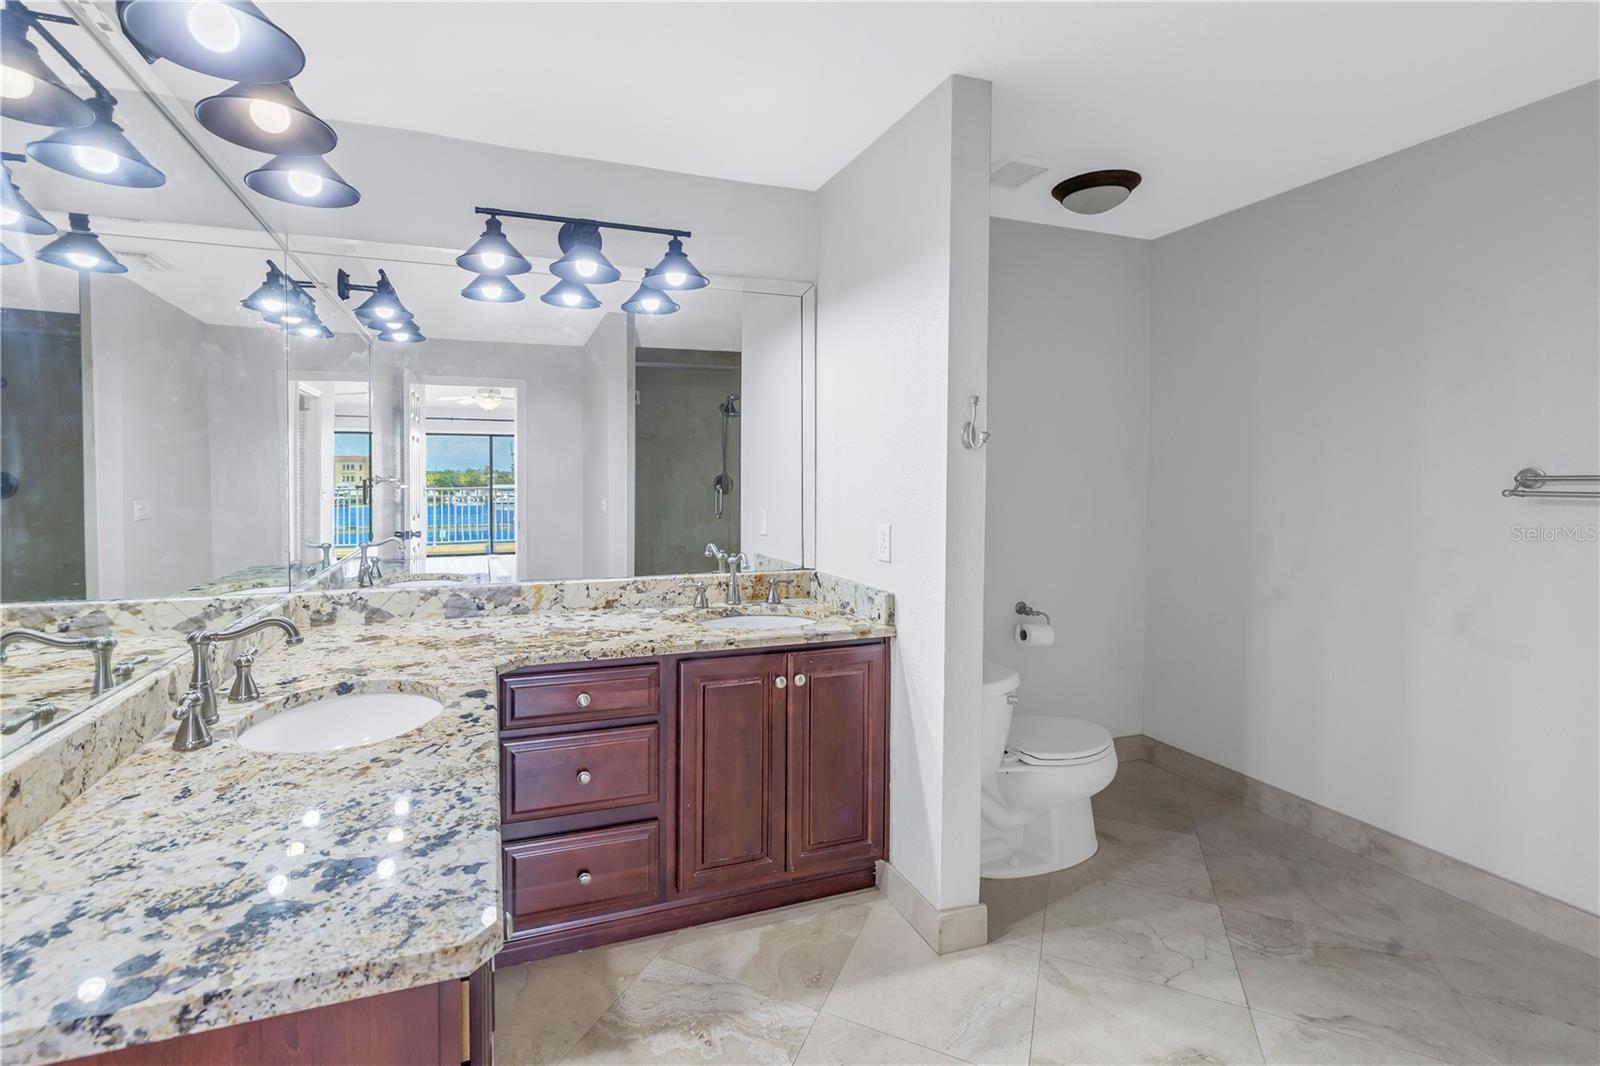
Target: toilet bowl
(1041, 771)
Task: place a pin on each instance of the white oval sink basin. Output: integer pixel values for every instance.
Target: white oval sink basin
(759, 621)
(339, 722)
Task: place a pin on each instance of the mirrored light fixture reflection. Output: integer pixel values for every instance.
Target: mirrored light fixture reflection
(17, 214)
(283, 302)
(305, 180)
(29, 90)
(570, 294)
(8, 257)
(493, 254)
(649, 301)
(80, 249)
(583, 262)
(382, 312)
(490, 289)
(99, 152)
(266, 118)
(229, 39)
(675, 272)
(403, 334)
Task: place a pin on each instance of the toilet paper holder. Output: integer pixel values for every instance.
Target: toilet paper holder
(1024, 609)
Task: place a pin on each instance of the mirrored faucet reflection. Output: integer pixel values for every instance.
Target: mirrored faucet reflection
(369, 572)
(100, 647)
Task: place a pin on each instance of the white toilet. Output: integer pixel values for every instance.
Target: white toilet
(1040, 771)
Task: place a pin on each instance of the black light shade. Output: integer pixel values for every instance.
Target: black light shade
(383, 310)
(649, 301)
(403, 334)
(675, 271)
(8, 257)
(306, 180)
(272, 296)
(570, 294)
(266, 118)
(17, 214)
(79, 249)
(29, 90)
(493, 290)
(229, 39)
(99, 152)
(492, 254)
(583, 261)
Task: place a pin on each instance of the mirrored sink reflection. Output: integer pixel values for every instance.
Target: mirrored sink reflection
(340, 722)
(749, 622)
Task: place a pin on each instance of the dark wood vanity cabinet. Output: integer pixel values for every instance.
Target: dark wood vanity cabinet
(649, 795)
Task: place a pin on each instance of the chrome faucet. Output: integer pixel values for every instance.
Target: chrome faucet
(99, 647)
(369, 573)
(736, 563)
(773, 587)
(326, 548)
(201, 642)
(714, 552)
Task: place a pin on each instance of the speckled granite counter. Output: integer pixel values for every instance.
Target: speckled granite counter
(183, 892)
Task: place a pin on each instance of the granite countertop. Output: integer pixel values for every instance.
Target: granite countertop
(188, 891)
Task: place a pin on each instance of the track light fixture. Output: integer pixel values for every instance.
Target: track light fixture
(29, 90)
(306, 180)
(581, 264)
(80, 249)
(490, 289)
(16, 213)
(99, 152)
(229, 39)
(266, 118)
(492, 254)
(382, 312)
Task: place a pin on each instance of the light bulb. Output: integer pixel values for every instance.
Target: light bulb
(309, 331)
(213, 26)
(305, 184)
(651, 303)
(493, 260)
(402, 335)
(587, 267)
(96, 160)
(270, 115)
(271, 306)
(292, 319)
(570, 299)
(82, 260)
(15, 84)
(676, 278)
(9, 216)
(385, 312)
(492, 291)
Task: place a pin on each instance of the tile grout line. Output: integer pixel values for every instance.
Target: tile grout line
(1227, 936)
(818, 1012)
(1344, 1035)
(629, 983)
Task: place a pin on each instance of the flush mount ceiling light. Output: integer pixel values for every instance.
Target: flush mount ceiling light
(306, 180)
(583, 261)
(8, 257)
(1096, 191)
(16, 213)
(570, 294)
(492, 254)
(675, 271)
(79, 249)
(490, 289)
(266, 118)
(29, 90)
(99, 152)
(649, 301)
(229, 39)
(382, 312)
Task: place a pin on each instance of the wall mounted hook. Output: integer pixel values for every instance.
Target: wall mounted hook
(973, 438)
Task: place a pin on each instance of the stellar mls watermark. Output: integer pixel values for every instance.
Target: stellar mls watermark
(1575, 532)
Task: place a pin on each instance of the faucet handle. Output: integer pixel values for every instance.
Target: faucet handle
(772, 588)
(125, 670)
(700, 594)
(193, 732)
(244, 683)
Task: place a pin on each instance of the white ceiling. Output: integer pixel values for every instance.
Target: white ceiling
(1218, 105)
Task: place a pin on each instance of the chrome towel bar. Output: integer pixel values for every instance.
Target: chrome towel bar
(1531, 481)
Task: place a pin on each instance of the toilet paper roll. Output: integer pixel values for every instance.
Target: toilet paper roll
(1034, 634)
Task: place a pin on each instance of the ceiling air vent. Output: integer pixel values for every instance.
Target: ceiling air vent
(1013, 172)
(146, 260)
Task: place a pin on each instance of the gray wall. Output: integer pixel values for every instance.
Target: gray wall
(1340, 601)
(1069, 380)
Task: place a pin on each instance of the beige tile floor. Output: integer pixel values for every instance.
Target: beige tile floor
(1201, 932)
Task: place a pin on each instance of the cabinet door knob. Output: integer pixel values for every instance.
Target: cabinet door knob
(800, 680)
(781, 682)
(584, 777)
(584, 877)
(583, 699)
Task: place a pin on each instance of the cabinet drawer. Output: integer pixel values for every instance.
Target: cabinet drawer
(577, 874)
(574, 772)
(581, 696)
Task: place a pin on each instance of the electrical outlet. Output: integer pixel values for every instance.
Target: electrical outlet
(885, 541)
(141, 510)
(605, 503)
(763, 521)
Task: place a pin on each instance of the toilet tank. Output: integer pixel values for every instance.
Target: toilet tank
(999, 683)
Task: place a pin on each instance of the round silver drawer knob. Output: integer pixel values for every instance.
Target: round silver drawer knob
(584, 877)
(781, 682)
(583, 699)
(584, 777)
(800, 680)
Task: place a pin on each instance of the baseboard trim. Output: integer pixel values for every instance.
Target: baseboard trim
(952, 929)
(1531, 909)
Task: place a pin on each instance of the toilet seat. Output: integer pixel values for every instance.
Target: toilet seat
(1045, 740)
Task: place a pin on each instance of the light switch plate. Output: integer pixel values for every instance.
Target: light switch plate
(885, 541)
(763, 521)
(141, 510)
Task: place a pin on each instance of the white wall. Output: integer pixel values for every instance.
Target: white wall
(1068, 403)
(606, 450)
(770, 438)
(1344, 378)
(901, 299)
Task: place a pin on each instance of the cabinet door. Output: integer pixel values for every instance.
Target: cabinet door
(837, 770)
(730, 770)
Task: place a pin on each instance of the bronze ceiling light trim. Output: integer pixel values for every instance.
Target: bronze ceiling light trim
(1096, 191)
